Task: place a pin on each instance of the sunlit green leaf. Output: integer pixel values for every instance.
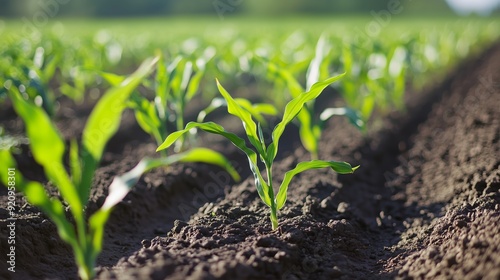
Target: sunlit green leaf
(293, 108)
(314, 71)
(37, 196)
(339, 167)
(250, 127)
(104, 120)
(353, 116)
(47, 147)
(112, 79)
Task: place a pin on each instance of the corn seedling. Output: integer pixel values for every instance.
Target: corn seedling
(266, 153)
(48, 149)
(152, 115)
(175, 85)
(32, 76)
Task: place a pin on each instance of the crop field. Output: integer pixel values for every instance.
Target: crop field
(250, 148)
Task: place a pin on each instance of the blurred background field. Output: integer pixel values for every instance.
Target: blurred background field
(55, 48)
(158, 30)
(127, 8)
(161, 21)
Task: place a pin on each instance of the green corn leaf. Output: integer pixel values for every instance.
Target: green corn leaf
(72, 92)
(262, 140)
(194, 85)
(292, 109)
(210, 127)
(314, 71)
(111, 78)
(248, 124)
(339, 167)
(186, 75)
(307, 137)
(348, 58)
(175, 76)
(216, 103)
(201, 64)
(353, 116)
(161, 89)
(146, 116)
(293, 85)
(265, 108)
(104, 121)
(49, 68)
(7, 161)
(97, 223)
(399, 90)
(172, 70)
(261, 134)
(37, 196)
(257, 110)
(367, 106)
(74, 163)
(47, 147)
(145, 113)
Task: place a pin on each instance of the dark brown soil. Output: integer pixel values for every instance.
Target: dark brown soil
(424, 204)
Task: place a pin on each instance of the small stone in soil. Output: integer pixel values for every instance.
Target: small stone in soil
(294, 236)
(178, 225)
(325, 203)
(146, 243)
(343, 207)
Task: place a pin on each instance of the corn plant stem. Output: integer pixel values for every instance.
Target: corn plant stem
(314, 155)
(180, 122)
(161, 133)
(163, 153)
(159, 140)
(86, 272)
(85, 264)
(180, 125)
(274, 211)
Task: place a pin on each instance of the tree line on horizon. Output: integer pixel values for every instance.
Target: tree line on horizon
(124, 8)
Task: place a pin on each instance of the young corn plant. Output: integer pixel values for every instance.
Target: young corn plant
(31, 75)
(175, 86)
(49, 148)
(310, 125)
(266, 152)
